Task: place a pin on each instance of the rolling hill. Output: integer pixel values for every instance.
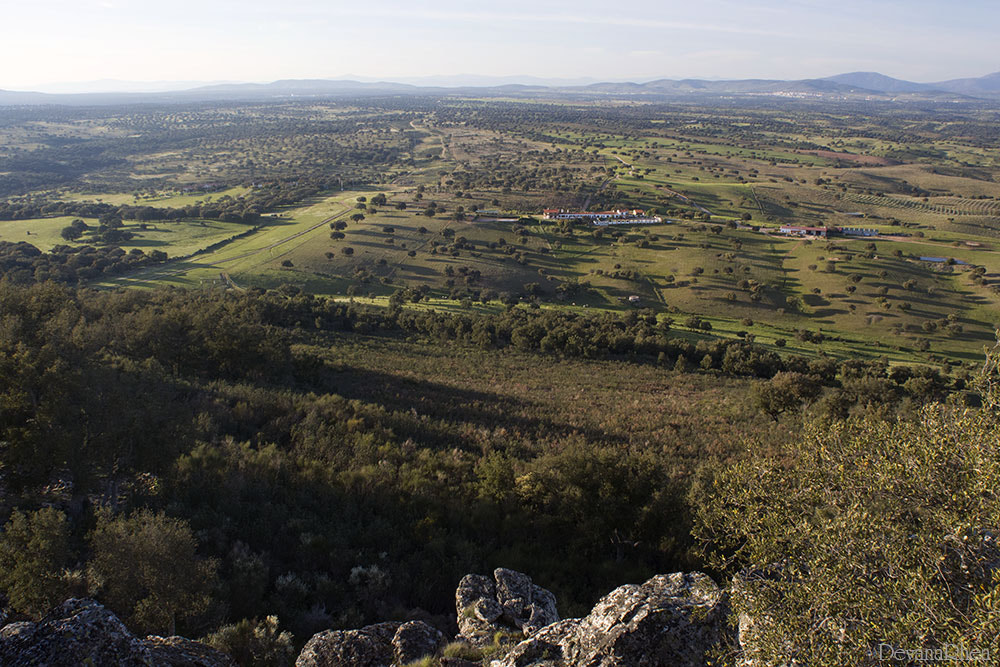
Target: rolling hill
(854, 85)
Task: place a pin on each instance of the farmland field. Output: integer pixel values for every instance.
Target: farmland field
(460, 185)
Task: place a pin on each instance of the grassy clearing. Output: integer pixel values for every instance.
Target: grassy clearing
(174, 238)
(43, 233)
(256, 255)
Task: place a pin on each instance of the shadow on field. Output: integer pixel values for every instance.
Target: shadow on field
(453, 405)
(417, 270)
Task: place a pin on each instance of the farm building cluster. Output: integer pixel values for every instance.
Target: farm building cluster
(824, 232)
(635, 216)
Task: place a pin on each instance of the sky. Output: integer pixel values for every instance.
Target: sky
(55, 41)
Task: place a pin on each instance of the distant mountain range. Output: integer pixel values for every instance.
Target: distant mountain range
(851, 86)
(983, 86)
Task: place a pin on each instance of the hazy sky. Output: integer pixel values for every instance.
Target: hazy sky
(48, 41)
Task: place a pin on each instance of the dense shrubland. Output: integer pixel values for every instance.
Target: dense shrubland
(306, 501)
(227, 431)
(22, 263)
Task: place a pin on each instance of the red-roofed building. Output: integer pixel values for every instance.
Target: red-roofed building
(563, 214)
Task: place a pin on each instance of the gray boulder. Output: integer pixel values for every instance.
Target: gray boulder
(371, 646)
(543, 611)
(509, 601)
(513, 595)
(543, 650)
(182, 652)
(478, 609)
(81, 631)
(672, 620)
(415, 640)
(525, 606)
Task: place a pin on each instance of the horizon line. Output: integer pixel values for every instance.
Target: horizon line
(406, 79)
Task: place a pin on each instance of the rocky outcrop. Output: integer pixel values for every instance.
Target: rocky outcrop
(543, 650)
(379, 645)
(672, 620)
(181, 652)
(81, 631)
(415, 640)
(477, 608)
(525, 606)
(371, 646)
(509, 601)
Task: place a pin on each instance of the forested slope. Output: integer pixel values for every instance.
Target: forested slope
(258, 453)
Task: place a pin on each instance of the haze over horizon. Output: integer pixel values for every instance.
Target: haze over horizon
(61, 44)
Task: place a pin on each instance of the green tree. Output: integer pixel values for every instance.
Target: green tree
(145, 568)
(71, 233)
(785, 392)
(34, 549)
(862, 533)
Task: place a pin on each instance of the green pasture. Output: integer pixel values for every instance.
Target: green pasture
(43, 233)
(246, 257)
(176, 238)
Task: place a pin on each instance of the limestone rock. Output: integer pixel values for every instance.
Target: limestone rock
(414, 640)
(371, 646)
(544, 649)
(543, 610)
(669, 621)
(513, 595)
(182, 652)
(510, 601)
(533, 652)
(478, 609)
(81, 631)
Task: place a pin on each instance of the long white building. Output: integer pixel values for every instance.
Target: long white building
(616, 217)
